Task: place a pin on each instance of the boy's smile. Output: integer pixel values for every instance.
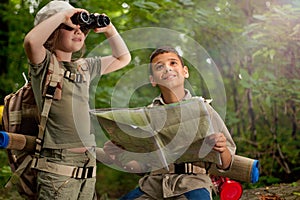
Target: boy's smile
(168, 71)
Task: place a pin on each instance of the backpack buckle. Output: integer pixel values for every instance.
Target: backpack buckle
(83, 172)
(76, 78)
(50, 91)
(184, 168)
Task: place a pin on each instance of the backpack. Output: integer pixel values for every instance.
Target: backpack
(20, 114)
(24, 125)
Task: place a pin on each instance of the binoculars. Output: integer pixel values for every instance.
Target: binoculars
(90, 21)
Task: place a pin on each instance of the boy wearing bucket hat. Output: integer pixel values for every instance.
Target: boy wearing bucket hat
(67, 163)
(187, 180)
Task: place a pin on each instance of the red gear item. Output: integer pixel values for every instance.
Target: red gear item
(230, 190)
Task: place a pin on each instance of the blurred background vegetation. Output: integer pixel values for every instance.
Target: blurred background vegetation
(254, 44)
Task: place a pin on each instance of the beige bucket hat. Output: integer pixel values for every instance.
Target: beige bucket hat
(50, 9)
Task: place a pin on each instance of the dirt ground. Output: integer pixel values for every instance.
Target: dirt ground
(275, 192)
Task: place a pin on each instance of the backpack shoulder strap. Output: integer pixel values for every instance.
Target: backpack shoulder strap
(53, 90)
(53, 83)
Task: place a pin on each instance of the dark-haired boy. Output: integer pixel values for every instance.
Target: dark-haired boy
(168, 72)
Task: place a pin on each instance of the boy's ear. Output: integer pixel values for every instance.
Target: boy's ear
(153, 83)
(186, 72)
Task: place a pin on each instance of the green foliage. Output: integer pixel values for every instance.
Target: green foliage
(18, 19)
(5, 171)
(256, 49)
(113, 184)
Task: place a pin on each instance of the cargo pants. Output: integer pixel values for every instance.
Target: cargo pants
(52, 186)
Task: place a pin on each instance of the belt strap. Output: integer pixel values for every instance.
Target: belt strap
(74, 172)
(182, 168)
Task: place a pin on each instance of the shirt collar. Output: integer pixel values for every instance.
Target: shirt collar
(159, 100)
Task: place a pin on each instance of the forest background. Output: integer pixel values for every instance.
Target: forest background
(253, 43)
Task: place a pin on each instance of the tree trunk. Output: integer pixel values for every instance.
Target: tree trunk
(251, 112)
(3, 39)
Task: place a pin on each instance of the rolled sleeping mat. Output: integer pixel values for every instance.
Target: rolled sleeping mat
(242, 169)
(17, 141)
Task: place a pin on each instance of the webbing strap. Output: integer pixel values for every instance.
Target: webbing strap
(77, 77)
(16, 175)
(182, 168)
(65, 170)
(55, 79)
(15, 117)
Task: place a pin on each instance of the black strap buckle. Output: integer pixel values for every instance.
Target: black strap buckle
(84, 172)
(50, 91)
(184, 168)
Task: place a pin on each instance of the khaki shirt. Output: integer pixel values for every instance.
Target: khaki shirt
(170, 185)
(69, 123)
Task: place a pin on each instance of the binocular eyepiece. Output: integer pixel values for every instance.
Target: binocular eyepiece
(90, 21)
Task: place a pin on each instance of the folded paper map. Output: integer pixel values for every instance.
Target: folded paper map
(176, 132)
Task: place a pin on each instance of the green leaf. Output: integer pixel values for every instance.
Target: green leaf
(146, 5)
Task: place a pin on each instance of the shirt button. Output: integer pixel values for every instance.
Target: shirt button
(166, 177)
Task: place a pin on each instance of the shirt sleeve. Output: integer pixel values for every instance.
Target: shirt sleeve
(39, 69)
(219, 126)
(94, 64)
